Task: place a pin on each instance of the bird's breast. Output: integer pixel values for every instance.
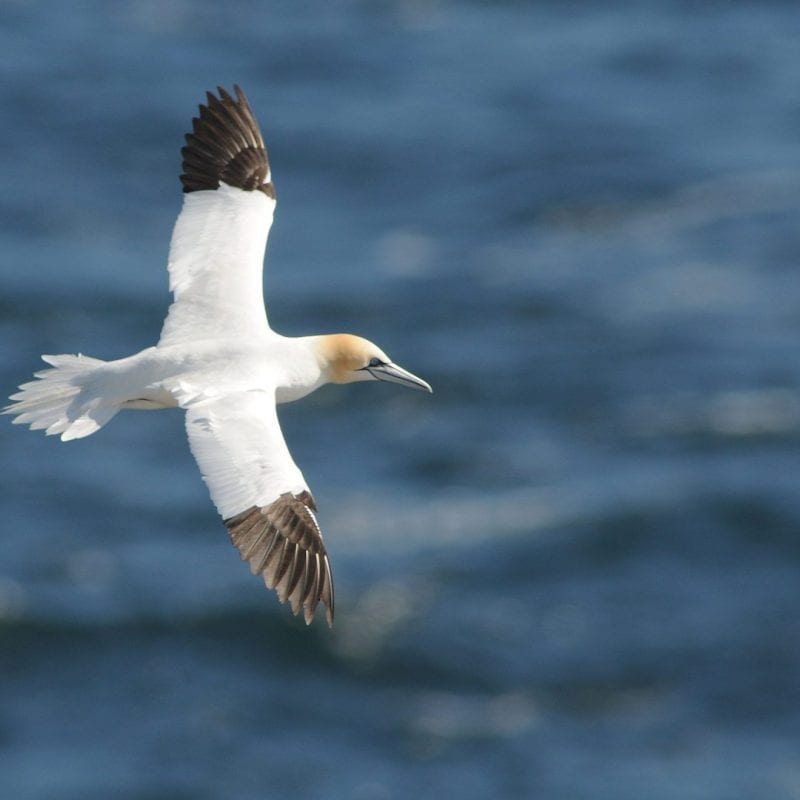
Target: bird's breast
(288, 394)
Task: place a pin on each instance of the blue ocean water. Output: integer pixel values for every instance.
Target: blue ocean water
(572, 572)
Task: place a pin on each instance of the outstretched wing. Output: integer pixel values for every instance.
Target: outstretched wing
(216, 255)
(262, 497)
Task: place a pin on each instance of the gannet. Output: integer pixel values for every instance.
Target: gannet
(219, 360)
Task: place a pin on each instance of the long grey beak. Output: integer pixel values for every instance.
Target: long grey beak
(395, 374)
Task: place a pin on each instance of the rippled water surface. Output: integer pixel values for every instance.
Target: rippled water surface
(572, 572)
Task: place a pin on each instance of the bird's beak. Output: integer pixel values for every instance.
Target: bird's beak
(395, 374)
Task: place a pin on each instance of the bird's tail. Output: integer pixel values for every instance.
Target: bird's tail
(61, 400)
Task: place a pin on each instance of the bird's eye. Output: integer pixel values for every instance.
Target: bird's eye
(374, 362)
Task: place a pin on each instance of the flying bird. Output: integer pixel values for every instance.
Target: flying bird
(219, 360)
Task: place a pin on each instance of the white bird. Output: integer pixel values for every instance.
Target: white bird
(219, 360)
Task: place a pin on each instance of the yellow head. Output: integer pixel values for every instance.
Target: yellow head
(349, 358)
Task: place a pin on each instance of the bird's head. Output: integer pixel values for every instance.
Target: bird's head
(350, 358)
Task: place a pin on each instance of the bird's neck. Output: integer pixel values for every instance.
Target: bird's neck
(303, 369)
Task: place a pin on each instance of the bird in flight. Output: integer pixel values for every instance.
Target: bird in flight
(219, 360)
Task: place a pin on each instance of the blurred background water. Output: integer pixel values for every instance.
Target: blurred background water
(573, 572)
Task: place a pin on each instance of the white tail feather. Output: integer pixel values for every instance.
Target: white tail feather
(60, 401)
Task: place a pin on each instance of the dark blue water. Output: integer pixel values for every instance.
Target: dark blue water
(572, 572)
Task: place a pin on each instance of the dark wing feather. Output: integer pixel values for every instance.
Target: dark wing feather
(283, 543)
(226, 145)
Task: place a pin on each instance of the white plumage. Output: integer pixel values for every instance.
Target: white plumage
(215, 266)
(240, 449)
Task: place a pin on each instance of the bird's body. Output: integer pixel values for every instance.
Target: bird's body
(219, 360)
(174, 375)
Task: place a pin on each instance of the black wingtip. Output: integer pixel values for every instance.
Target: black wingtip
(226, 146)
(282, 541)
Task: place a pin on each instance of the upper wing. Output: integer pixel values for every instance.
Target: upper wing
(262, 496)
(217, 251)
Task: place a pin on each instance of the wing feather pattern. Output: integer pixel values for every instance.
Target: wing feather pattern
(262, 497)
(226, 146)
(216, 255)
